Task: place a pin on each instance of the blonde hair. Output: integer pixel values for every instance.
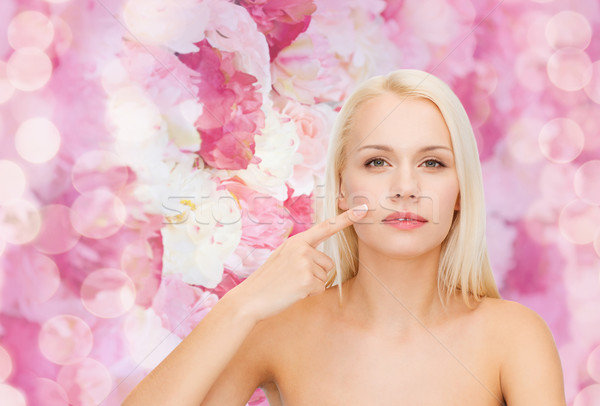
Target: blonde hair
(464, 264)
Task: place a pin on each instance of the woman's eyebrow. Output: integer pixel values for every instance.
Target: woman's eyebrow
(390, 149)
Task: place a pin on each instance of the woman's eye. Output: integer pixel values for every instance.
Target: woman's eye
(434, 161)
(376, 161)
(380, 162)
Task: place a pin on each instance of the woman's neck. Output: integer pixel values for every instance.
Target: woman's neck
(392, 294)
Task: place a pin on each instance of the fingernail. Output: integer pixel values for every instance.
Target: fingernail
(361, 210)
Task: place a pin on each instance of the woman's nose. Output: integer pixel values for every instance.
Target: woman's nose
(404, 184)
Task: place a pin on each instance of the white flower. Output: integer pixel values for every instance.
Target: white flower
(175, 24)
(232, 29)
(276, 146)
(203, 227)
(180, 120)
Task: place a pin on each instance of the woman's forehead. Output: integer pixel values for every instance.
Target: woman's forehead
(401, 123)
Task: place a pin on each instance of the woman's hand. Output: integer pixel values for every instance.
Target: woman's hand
(295, 270)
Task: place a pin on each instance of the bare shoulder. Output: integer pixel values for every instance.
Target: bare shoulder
(514, 325)
(506, 315)
(530, 367)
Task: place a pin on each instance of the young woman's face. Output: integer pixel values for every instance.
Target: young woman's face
(388, 168)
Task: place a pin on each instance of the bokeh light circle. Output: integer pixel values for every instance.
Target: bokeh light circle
(588, 396)
(6, 364)
(57, 234)
(98, 214)
(37, 140)
(138, 261)
(587, 182)
(561, 140)
(11, 395)
(86, 383)
(136, 257)
(65, 339)
(20, 222)
(99, 169)
(569, 69)
(48, 393)
(47, 279)
(6, 88)
(108, 293)
(578, 222)
(28, 69)
(592, 89)
(12, 181)
(30, 29)
(593, 364)
(568, 29)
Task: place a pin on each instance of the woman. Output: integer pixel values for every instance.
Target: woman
(416, 317)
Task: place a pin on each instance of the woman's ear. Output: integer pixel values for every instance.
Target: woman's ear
(457, 205)
(342, 201)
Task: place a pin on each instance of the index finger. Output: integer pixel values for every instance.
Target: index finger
(326, 228)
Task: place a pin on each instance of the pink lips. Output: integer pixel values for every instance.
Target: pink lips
(397, 220)
(398, 215)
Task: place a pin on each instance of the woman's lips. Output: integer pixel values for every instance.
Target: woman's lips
(404, 220)
(399, 215)
(405, 224)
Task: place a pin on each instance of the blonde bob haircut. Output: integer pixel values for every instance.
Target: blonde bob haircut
(464, 264)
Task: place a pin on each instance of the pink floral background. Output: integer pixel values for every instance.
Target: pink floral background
(154, 152)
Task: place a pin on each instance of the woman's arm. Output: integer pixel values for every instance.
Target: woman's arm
(188, 372)
(295, 270)
(531, 371)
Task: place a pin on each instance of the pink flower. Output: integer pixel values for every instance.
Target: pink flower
(181, 306)
(313, 126)
(301, 211)
(229, 281)
(231, 108)
(295, 71)
(258, 398)
(265, 223)
(281, 21)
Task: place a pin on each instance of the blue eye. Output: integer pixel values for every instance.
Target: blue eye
(435, 161)
(368, 163)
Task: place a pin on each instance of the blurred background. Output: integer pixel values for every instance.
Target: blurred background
(153, 153)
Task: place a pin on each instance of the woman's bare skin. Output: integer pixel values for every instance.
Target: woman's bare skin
(498, 353)
(454, 360)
